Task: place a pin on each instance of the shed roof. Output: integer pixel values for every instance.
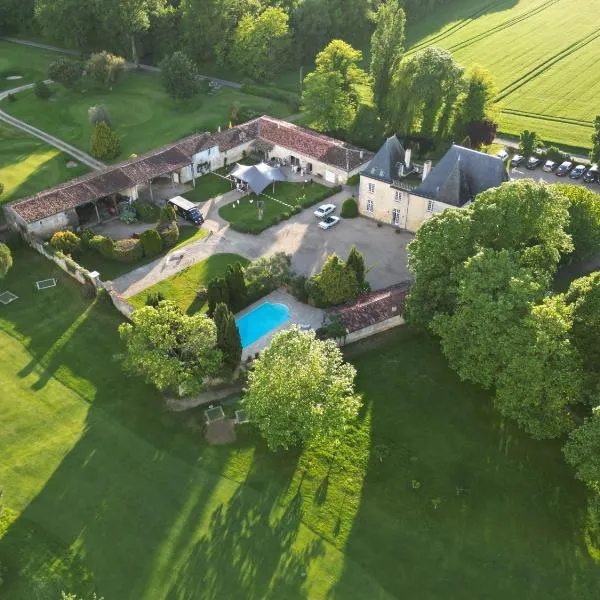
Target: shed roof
(373, 308)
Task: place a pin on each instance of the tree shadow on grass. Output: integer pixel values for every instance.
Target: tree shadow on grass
(249, 552)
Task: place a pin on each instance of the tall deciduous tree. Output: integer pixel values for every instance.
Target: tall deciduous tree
(475, 104)
(542, 379)
(485, 329)
(301, 390)
(423, 92)
(261, 45)
(584, 219)
(386, 48)
(333, 90)
(179, 76)
(71, 22)
(104, 68)
(169, 348)
(582, 451)
(6, 260)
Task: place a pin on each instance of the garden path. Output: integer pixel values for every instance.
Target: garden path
(77, 154)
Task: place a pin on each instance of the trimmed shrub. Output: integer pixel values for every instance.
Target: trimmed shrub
(336, 282)
(105, 142)
(128, 251)
(349, 209)
(151, 242)
(99, 114)
(41, 90)
(556, 154)
(170, 235)
(103, 68)
(155, 298)
(354, 180)
(146, 212)
(86, 235)
(167, 215)
(66, 241)
(179, 76)
(65, 71)
(104, 245)
(202, 295)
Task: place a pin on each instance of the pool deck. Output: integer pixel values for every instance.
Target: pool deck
(300, 314)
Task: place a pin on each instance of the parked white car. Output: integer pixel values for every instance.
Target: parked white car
(503, 154)
(324, 210)
(329, 222)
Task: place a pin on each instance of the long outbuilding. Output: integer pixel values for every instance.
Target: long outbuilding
(95, 196)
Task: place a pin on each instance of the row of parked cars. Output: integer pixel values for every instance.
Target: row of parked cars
(565, 169)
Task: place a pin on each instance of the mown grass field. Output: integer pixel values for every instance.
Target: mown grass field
(28, 165)
(183, 286)
(544, 55)
(141, 112)
(429, 495)
(30, 64)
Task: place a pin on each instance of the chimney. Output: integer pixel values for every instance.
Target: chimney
(219, 130)
(361, 154)
(407, 154)
(426, 169)
(401, 170)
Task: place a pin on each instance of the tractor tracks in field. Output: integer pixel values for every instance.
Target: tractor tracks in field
(547, 64)
(456, 27)
(544, 117)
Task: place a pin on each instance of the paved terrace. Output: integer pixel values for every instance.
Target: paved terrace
(300, 314)
(383, 248)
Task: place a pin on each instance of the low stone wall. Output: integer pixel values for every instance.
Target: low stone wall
(76, 271)
(366, 332)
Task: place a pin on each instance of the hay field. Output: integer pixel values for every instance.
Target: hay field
(544, 54)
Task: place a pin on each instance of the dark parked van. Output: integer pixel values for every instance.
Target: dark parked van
(187, 210)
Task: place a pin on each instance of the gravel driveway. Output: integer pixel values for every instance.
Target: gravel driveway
(383, 248)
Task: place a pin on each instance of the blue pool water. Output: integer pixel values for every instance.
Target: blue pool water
(260, 321)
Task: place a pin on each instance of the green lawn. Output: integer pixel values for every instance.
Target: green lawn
(143, 115)
(429, 496)
(111, 269)
(30, 63)
(543, 54)
(28, 165)
(182, 286)
(244, 216)
(208, 186)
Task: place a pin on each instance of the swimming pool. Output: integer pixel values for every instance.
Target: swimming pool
(260, 321)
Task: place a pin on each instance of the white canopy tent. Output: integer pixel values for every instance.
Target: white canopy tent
(258, 177)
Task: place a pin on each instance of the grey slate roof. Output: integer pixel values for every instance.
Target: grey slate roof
(385, 164)
(461, 175)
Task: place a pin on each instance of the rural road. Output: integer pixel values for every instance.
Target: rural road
(77, 154)
(141, 67)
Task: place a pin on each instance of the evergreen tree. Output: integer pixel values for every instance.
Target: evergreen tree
(232, 344)
(220, 317)
(356, 262)
(236, 286)
(217, 292)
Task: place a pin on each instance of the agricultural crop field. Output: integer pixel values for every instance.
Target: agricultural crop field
(544, 54)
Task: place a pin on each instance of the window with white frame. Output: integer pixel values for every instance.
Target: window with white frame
(371, 188)
(397, 195)
(370, 205)
(396, 216)
(429, 208)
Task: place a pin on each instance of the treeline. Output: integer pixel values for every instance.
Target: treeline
(204, 29)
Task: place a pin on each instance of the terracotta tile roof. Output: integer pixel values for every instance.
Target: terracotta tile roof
(177, 155)
(373, 308)
(310, 143)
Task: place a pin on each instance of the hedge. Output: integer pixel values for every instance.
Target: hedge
(349, 209)
(128, 251)
(146, 212)
(293, 100)
(151, 242)
(104, 245)
(170, 235)
(66, 241)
